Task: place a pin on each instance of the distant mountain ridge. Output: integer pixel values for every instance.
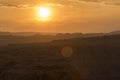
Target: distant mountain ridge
(115, 32)
(32, 37)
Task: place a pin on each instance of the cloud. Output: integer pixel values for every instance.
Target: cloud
(58, 3)
(91, 0)
(15, 5)
(106, 2)
(31, 3)
(113, 3)
(52, 4)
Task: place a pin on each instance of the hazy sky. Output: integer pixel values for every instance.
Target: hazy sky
(67, 15)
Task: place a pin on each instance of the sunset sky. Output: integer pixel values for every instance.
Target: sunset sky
(65, 16)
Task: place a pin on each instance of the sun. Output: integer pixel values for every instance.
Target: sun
(44, 13)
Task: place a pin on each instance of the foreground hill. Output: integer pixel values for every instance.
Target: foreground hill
(94, 58)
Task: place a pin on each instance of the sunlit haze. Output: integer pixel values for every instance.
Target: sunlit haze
(59, 16)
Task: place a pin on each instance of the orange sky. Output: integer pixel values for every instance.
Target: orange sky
(67, 16)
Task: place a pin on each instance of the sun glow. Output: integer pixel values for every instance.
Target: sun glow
(44, 13)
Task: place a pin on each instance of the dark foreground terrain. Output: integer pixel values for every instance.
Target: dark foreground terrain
(96, 58)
